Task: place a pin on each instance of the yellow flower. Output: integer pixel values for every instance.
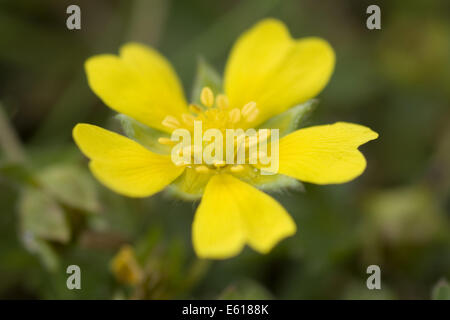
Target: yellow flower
(267, 73)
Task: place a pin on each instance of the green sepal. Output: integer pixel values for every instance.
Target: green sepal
(275, 183)
(206, 76)
(145, 136)
(291, 119)
(43, 249)
(191, 185)
(271, 183)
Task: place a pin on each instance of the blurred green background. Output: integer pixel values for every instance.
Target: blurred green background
(396, 215)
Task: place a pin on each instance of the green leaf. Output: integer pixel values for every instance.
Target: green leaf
(146, 136)
(42, 217)
(441, 291)
(405, 215)
(206, 76)
(291, 119)
(72, 186)
(43, 250)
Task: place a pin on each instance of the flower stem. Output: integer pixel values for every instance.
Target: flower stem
(9, 141)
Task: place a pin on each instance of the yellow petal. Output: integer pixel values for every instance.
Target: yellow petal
(233, 213)
(277, 72)
(139, 83)
(122, 164)
(325, 154)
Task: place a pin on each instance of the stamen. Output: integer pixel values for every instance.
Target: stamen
(188, 119)
(235, 115)
(166, 141)
(207, 97)
(171, 122)
(248, 108)
(202, 169)
(218, 113)
(250, 111)
(195, 109)
(237, 168)
(252, 116)
(222, 101)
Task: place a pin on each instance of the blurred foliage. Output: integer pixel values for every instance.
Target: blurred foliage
(53, 213)
(441, 291)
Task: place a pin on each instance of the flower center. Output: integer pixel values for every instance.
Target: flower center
(215, 113)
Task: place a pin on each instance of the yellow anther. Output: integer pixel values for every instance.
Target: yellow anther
(195, 109)
(235, 115)
(188, 119)
(252, 116)
(219, 163)
(237, 168)
(166, 141)
(248, 108)
(171, 122)
(250, 111)
(202, 169)
(222, 101)
(207, 97)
